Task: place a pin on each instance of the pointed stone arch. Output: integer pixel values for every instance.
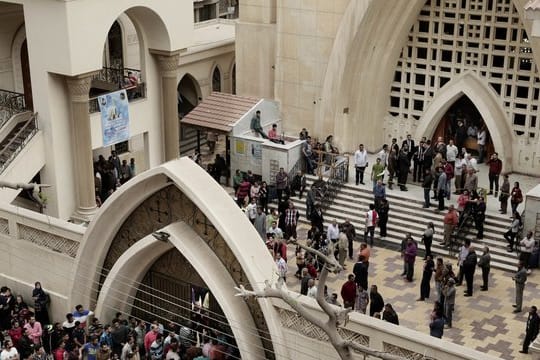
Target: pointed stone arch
(216, 72)
(486, 101)
(16, 47)
(189, 90)
(182, 199)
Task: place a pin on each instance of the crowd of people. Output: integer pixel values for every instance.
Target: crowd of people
(27, 333)
(442, 169)
(111, 173)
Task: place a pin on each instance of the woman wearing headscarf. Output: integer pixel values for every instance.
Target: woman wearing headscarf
(41, 300)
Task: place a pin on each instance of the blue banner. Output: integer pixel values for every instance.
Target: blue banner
(114, 117)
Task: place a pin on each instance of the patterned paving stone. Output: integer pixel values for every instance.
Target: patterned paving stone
(484, 322)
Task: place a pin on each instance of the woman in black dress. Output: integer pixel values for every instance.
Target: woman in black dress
(41, 300)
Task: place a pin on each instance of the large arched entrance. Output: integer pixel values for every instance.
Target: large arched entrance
(485, 101)
(202, 222)
(463, 110)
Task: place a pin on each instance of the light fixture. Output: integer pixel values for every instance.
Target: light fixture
(161, 235)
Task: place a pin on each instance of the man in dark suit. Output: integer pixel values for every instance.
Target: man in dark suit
(531, 330)
(410, 146)
(427, 160)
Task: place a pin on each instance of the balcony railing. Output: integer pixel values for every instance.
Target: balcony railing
(336, 167)
(134, 92)
(11, 103)
(18, 142)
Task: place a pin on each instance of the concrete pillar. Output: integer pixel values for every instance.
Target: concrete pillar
(79, 89)
(168, 66)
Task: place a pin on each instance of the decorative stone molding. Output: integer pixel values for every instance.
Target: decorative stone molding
(167, 61)
(79, 87)
(404, 353)
(48, 240)
(291, 320)
(4, 226)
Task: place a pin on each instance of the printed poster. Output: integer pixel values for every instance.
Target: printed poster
(114, 117)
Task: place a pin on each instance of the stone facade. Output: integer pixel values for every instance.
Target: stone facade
(367, 71)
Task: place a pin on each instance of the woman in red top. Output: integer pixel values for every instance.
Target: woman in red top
(60, 352)
(516, 197)
(15, 333)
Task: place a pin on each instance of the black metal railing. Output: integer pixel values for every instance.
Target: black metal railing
(336, 167)
(117, 76)
(11, 103)
(18, 142)
(133, 92)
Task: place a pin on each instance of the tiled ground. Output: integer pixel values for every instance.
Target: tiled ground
(484, 321)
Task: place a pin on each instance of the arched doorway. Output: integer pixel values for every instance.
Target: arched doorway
(27, 81)
(189, 95)
(485, 101)
(464, 110)
(179, 199)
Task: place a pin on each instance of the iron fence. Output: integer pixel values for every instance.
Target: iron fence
(11, 103)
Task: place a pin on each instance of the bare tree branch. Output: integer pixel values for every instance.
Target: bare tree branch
(336, 317)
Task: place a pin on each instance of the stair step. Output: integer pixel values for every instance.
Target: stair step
(352, 202)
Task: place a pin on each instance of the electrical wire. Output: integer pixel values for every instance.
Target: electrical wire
(104, 272)
(91, 288)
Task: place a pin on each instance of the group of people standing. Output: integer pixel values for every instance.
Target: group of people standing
(111, 173)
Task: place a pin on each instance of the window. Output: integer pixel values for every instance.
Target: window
(216, 80)
(121, 147)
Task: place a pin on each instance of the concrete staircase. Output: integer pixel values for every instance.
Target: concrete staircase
(188, 142)
(15, 139)
(407, 215)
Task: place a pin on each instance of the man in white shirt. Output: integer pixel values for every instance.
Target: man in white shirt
(458, 172)
(332, 233)
(360, 163)
(471, 163)
(312, 289)
(481, 142)
(371, 222)
(383, 155)
(251, 210)
(451, 153)
(9, 352)
(527, 247)
(282, 267)
(274, 230)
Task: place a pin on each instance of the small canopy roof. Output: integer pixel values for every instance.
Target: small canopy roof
(220, 111)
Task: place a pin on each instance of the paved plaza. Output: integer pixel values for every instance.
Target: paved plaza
(484, 322)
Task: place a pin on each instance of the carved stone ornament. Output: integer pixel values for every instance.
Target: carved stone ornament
(79, 87)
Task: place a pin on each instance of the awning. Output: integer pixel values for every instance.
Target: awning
(219, 111)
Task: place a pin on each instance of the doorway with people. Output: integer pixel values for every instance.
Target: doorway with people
(464, 124)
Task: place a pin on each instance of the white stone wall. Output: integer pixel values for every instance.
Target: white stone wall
(305, 38)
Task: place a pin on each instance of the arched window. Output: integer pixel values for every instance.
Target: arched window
(216, 80)
(115, 46)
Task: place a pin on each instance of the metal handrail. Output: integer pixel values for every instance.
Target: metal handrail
(134, 92)
(29, 122)
(11, 103)
(337, 166)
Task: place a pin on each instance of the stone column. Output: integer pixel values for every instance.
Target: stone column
(168, 66)
(79, 89)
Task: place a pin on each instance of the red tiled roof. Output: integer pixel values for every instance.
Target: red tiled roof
(219, 111)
